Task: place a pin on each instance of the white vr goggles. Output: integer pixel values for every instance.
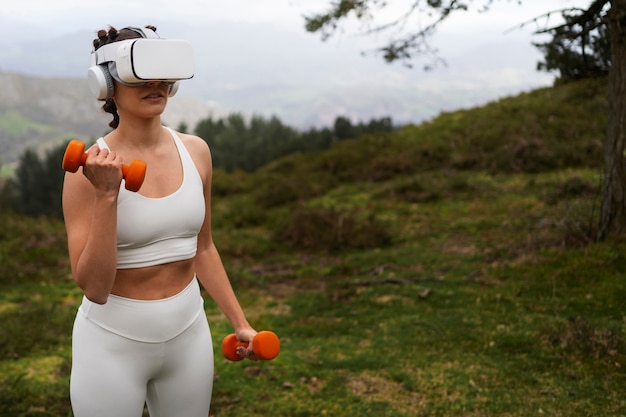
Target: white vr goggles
(137, 61)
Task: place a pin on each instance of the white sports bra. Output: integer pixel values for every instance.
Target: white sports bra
(155, 231)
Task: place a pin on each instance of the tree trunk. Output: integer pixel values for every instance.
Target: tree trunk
(612, 212)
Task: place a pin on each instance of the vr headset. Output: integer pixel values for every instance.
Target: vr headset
(137, 61)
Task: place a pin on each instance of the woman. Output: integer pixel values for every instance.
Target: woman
(141, 335)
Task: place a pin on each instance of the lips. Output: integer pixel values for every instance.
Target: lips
(154, 95)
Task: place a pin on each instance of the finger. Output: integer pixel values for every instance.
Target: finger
(93, 150)
(250, 353)
(246, 353)
(241, 351)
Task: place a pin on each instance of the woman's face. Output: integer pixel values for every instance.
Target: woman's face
(146, 100)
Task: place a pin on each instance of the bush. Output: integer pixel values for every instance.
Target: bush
(277, 191)
(331, 229)
(582, 340)
(225, 184)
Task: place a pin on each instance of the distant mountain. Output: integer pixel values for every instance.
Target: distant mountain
(37, 112)
(258, 68)
(254, 69)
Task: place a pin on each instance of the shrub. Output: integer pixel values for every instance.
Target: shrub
(277, 189)
(331, 229)
(225, 184)
(571, 188)
(581, 339)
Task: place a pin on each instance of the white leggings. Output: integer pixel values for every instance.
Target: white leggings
(127, 353)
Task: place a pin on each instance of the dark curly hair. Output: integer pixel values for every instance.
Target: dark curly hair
(106, 37)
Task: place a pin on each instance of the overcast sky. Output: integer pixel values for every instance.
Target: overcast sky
(462, 30)
(70, 15)
(457, 36)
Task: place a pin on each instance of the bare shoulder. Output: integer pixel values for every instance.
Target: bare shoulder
(195, 144)
(199, 151)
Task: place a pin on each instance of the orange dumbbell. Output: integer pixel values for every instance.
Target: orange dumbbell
(265, 345)
(75, 157)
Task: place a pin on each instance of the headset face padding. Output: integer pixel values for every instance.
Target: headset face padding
(174, 88)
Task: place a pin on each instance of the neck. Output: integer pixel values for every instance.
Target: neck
(139, 133)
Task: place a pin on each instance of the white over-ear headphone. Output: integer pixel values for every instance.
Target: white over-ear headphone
(100, 81)
(100, 77)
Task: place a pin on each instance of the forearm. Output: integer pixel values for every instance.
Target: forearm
(97, 265)
(213, 277)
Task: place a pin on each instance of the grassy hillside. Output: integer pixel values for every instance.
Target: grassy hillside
(443, 270)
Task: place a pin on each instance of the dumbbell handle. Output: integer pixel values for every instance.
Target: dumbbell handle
(265, 345)
(125, 168)
(75, 157)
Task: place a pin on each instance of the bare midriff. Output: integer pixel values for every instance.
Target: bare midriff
(153, 282)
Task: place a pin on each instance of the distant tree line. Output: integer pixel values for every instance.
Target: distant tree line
(236, 144)
(36, 187)
(247, 145)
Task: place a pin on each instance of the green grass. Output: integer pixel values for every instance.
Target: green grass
(481, 294)
(480, 308)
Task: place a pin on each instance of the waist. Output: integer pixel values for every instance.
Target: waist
(150, 321)
(153, 282)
